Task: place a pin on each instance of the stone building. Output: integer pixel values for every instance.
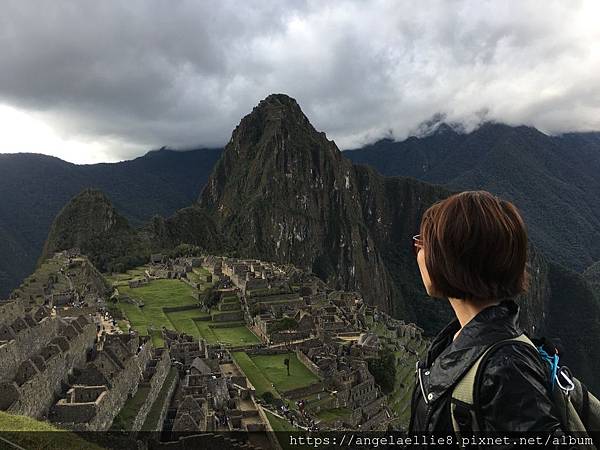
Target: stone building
(113, 373)
(38, 360)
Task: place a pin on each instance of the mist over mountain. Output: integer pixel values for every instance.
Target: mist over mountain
(553, 180)
(34, 188)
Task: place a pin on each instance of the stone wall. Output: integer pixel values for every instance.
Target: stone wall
(161, 370)
(308, 363)
(304, 391)
(24, 344)
(375, 422)
(51, 368)
(228, 316)
(111, 402)
(125, 382)
(266, 351)
(167, 403)
(281, 337)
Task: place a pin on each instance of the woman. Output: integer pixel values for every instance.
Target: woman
(472, 249)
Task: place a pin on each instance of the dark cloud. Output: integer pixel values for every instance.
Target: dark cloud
(140, 74)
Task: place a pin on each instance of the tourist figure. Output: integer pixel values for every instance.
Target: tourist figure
(472, 250)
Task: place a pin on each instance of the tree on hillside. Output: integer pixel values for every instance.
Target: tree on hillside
(211, 297)
(185, 250)
(285, 324)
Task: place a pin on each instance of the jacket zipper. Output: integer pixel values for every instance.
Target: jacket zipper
(425, 399)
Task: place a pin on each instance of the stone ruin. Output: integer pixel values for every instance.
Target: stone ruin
(119, 366)
(213, 395)
(37, 352)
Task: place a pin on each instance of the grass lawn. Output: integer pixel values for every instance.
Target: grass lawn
(331, 415)
(282, 427)
(184, 320)
(234, 336)
(159, 294)
(267, 370)
(48, 437)
(155, 296)
(254, 374)
(274, 369)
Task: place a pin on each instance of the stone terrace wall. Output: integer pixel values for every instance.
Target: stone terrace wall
(125, 381)
(52, 367)
(308, 363)
(24, 344)
(163, 366)
(110, 403)
(266, 351)
(167, 403)
(304, 391)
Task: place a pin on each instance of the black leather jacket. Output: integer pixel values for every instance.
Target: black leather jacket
(515, 384)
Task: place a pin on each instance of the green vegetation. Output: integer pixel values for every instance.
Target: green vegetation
(276, 371)
(155, 296)
(255, 375)
(399, 398)
(215, 332)
(90, 222)
(184, 250)
(161, 182)
(186, 320)
(39, 434)
(269, 373)
(198, 275)
(149, 311)
(279, 424)
(283, 427)
(331, 415)
(235, 336)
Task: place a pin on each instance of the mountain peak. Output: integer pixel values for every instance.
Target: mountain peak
(90, 222)
(272, 113)
(279, 100)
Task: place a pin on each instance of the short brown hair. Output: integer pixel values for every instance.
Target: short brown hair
(475, 247)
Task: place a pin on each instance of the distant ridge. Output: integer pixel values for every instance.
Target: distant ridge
(552, 179)
(34, 188)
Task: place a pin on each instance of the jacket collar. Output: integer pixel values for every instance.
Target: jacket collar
(448, 363)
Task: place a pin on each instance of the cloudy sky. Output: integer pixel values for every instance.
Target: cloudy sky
(92, 81)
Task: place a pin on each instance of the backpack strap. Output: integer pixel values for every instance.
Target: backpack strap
(463, 407)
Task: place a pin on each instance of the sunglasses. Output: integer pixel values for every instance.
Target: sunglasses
(417, 243)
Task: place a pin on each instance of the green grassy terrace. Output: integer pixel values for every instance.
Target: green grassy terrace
(154, 296)
(33, 434)
(149, 311)
(268, 372)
